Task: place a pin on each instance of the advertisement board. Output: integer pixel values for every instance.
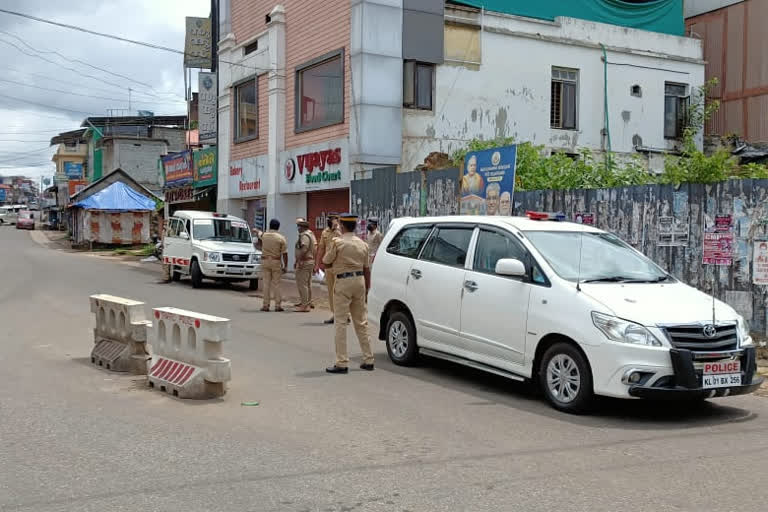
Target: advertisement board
(322, 166)
(177, 169)
(206, 106)
(204, 163)
(488, 181)
(73, 171)
(198, 43)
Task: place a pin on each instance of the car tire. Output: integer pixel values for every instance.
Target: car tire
(175, 276)
(253, 284)
(196, 274)
(566, 379)
(401, 340)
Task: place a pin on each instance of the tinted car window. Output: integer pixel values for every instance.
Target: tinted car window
(493, 246)
(448, 246)
(408, 241)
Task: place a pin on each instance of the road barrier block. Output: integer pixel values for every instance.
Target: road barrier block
(187, 360)
(120, 335)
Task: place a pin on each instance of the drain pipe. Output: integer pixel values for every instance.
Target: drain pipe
(605, 105)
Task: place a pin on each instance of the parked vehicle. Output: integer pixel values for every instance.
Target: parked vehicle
(569, 306)
(25, 220)
(205, 245)
(8, 215)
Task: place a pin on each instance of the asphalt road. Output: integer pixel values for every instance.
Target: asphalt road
(433, 438)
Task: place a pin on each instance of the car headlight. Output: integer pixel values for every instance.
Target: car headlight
(212, 256)
(624, 331)
(255, 258)
(745, 339)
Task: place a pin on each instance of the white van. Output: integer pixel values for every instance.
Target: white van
(8, 215)
(569, 306)
(205, 245)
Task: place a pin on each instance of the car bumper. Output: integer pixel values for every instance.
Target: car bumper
(685, 381)
(232, 271)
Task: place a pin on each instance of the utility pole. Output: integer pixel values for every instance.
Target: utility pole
(129, 101)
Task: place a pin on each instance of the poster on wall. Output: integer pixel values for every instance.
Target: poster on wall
(723, 223)
(760, 262)
(204, 163)
(488, 181)
(177, 169)
(586, 218)
(672, 232)
(718, 249)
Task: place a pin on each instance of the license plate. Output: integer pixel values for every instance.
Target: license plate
(236, 270)
(721, 374)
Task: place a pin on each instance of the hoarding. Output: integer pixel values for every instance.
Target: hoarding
(488, 181)
(73, 170)
(206, 106)
(198, 43)
(177, 169)
(205, 167)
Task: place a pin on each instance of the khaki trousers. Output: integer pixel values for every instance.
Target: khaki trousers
(271, 274)
(304, 282)
(349, 300)
(330, 280)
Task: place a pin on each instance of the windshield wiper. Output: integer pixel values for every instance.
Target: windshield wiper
(609, 279)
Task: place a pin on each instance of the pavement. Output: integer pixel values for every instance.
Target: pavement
(432, 438)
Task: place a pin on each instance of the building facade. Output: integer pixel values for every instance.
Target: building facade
(736, 51)
(313, 95)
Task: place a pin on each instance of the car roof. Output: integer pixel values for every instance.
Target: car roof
(520, 223)
(194, 214)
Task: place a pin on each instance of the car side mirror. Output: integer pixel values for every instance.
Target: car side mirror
(185, 236)
(510, 267)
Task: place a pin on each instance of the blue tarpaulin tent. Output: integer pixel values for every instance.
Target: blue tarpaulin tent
(118, 197)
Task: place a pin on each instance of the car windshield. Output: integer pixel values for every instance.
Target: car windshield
(25, 215)
(594, 257)
(222, 230)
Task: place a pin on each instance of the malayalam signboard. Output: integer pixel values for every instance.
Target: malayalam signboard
(198, 43)
(760, 262)
(204, 163)
(206, 106)
(73, 170)
(177, 169)
(488, 181)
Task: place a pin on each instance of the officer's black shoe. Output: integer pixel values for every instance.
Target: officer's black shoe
(367, 367)
(329, 321)
(336, 369)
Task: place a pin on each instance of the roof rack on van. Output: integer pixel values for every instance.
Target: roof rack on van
(554, 216)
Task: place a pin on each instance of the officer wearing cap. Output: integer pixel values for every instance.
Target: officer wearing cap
(304, 265)
(329, 233)
(374, 236)
(349, 257)
(274, 259)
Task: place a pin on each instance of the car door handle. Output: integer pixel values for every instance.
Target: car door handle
(416, 273)
(470, 285)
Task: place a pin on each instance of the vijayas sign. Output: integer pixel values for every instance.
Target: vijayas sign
(316, 167)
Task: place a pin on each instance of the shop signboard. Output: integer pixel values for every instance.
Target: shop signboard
(488, 181)
(75, 186)
(73, 170)
(180, 195)
(2, 194)
(248, 177)
(204, 163)
(322, 166)
(198, 43)
(178, 169)
(206, 106)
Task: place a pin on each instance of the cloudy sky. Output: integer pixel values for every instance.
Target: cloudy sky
(49, 81)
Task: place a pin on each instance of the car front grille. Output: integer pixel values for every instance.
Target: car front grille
(239, 258)
(693, 337)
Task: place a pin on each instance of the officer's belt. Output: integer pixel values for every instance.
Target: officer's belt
(350, 274)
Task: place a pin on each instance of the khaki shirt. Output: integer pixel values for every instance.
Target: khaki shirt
(305, 246)
(273, 245)
(326, 236)
(374, 241)
(347, 254)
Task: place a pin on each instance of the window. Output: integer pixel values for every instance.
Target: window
(448, 246)
(675, 110)
(320, 92)
(562, 113)
(493, 246)
(173, 227)
(222, 230)
(635, 90)
(246, 116)
(251, 47)
(408, 241)
(417, 85)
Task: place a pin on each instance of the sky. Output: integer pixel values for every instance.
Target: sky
(32, 115)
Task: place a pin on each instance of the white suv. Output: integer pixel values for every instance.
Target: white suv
(570, 306)
(207, 245)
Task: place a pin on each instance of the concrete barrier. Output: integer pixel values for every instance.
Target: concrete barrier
(187, 348)
(120, 335)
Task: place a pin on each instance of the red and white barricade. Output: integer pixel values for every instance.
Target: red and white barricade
(120, 334)
(187, 354)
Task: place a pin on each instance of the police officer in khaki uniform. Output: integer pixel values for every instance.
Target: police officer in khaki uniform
(304, 265)
(349, 257)
(329, 233)
(374, 236)
(274, 260)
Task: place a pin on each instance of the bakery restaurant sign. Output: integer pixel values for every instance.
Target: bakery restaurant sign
(317, 167)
